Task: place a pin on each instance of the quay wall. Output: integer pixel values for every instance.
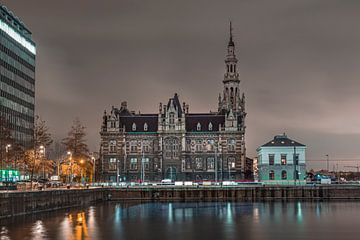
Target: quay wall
(236, 193)
(15, 203)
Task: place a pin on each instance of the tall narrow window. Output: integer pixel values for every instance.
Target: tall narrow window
(283, 175)
(271, 159)
(198, 127)
(283, 159)
(133, 163)
(134, 127)
(145, 127)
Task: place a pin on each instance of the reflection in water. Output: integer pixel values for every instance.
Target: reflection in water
(38, 230)
(191, 221)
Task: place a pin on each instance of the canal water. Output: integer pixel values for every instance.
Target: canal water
(258, 221)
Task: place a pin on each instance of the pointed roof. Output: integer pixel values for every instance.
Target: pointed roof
(282, 141)
(176, 103)
(231, 43)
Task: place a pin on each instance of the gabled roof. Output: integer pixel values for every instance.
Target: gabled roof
(282, 141)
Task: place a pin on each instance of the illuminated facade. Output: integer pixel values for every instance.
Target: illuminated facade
(276, 160)
(17, 71)
(176, 144)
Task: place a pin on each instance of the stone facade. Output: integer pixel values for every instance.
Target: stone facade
(175, 144)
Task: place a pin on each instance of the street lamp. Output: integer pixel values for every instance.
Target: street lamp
(7, 152)
(93, 178)
(42, 151)
(70, 165)
(327, 162)
(295, 162)
(82, 170)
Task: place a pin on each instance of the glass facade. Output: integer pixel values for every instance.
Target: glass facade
(17, 77)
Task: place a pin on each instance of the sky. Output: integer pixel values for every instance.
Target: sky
(298, 60)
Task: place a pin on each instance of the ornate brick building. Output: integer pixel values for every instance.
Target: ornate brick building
(174, 143)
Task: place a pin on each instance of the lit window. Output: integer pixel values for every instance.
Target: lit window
(210, 126)
(134, 127)
(146, 163)
(210, 163)
(145, 127)
(133, 163)
(283, 159)
(17, 37)
(198, 163)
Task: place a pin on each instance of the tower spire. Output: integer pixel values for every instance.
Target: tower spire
(231, 43)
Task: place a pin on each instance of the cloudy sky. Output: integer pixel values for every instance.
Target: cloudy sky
(299, 64)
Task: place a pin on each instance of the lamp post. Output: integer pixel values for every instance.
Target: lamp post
(142, 163)
(93, 178)
(327, 162)
(82, 170)
(7, 152)
(42, 152)
(70, 166)
(229, 166)
(295, 164)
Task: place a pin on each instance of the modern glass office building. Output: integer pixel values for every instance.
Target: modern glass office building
(17, 71)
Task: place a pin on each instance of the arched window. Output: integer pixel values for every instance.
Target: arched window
(283, 175)
(210, 126)
(145, 127)
(198, 127)
(134, 127)
(271, 175)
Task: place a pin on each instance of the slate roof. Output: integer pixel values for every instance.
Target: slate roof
(191, 121)
(282, 141)
(150, 119)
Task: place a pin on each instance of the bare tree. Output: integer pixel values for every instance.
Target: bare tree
(42, 140)
(75, 143)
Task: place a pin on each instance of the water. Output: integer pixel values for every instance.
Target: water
(258, 221)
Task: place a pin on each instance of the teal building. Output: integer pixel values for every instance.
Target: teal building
(17, 77)
(281, 161)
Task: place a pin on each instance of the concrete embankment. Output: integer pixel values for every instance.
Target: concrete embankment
(237, 193)
(15, 203)
(20, 203)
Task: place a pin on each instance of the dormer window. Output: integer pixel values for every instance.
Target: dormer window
(134, 127)
(210, 126)
(198, 127)
(145, 127)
